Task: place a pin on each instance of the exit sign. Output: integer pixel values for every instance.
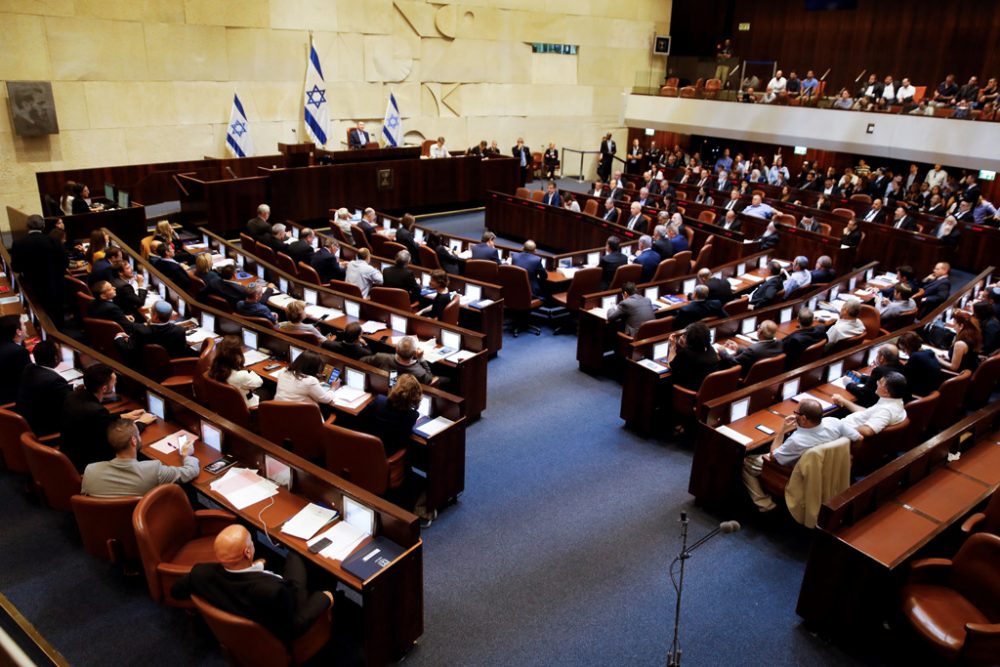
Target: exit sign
(744, 27)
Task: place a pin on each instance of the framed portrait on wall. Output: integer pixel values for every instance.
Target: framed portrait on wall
(32, 108)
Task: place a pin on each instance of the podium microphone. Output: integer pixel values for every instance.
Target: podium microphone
(860, 75)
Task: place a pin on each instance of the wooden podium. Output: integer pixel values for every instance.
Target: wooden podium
(297, 155)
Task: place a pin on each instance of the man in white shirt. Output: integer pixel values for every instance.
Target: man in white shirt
(889, 91)
(936, 176)
(799, 276)
(125, 475)
(363, 274)
(889, 409)
(905, 92)
(811, 430)
(438, 150)
(848, 326)
(778, 83)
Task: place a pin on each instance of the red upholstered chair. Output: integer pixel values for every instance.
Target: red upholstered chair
(845, 213)
(668, 91)
(350, 289)
(106, 527)
(517, 298)
(585, 281)
(954, 605)
(304, 336)
(665, 270)
(308, 274)
(861, 198)
(295, 426)
(360, 240)
(522, 193)
(450, 313)
(737, 306)
(683, 259)
(987, 521)
(537, 195)
(227, 400)
(56, 480)
(266, 254)
(983, 382)
(247, 244)
(360, 458)
(393, 297)
(764, 369)
(688, 405)
(249, 644)
(173, 373)
(707, 216)
(101, 334)
(688, 92)
(219, 303)
(712, 88)
(590, 207)
(869, 454)
(173, 538)
(704, 258)
(648, 329)
(286, 264)
(870, 317)
(12, 427)
(428, 258)
(391, 249)
(811, 354)
(626, 273)
(949, 408)
(482, 270)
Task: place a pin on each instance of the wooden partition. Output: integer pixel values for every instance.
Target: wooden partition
(225, 203)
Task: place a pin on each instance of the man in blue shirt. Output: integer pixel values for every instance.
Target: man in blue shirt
(678, 241)
(809, 84)
(724, 162)
(758, 209)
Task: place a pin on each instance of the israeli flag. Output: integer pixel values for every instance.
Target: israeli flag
(238, 139)
(316, 110)
(392, 126)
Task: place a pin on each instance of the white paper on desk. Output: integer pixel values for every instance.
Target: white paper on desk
(568, 271)
(841, 382)
(371, 326)
(600, 312)
(251, 357)
(459, 356)
(465, 254)
(317, 313)
(199, 335)
(71, 374)
(653, 366)
(280, 300)
(750, 278)
(484, 302)
(348, 396)
(169, 444)
(243, 487)
(433, 427)
(735, 435)
(9, 299)
(734, 282)
(344, 538)
(745, 338)
(826, 405)
(310, 519)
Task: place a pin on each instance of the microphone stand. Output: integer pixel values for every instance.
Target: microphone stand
(674, 656)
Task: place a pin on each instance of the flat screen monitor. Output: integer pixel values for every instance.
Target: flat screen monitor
(250, 339)
(123, 199)
(109, 192)
(474, 292)
(355, 379)
(208, 322)
(451, 339)
(211, 435)
(155, 405)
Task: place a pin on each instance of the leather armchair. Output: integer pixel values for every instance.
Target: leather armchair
(987, 521)
(360, 458)
(56, 479)
(106, 527)
(293, 425)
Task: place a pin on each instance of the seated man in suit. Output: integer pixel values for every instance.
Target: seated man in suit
(807, 334)
(810, 429)
(532, 263)
(923, 369)
(701, 307)
(644, 199)
(349, 343)
(326, 261)
(276, 239)
(551, 195)
(102, 269)
(259, 227)
(719, 289)
(902, 221)
(125, 475)
(733, 203)
(407, 359)
(875, 213)
(648, 258)
(809, 224)
(228, 287)
(798, 277)
(401, 277)
(84, 420)
(823, 273)
(13, 357)
(634, 309)
(164, 332)
(254, 304)
(948, 231)
(886, 361)
(770, 238)
(678, 241)
(486, 249)
(404, 235)
(301, 249)
(847, 325)
(767, 292)
(369, 223)
(731, 222)
(103, 307)
(128, 298)
(358, 137)
(937, 285)
(661, 244)
(636, 220)
(171, 268)
(611, 260)
(610, 212)
(40, 390)
(240, 585)
(765, 348)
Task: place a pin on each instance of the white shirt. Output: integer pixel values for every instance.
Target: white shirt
(777, 84)
(905, 92)
(936, 177)
(439, 151)
(889, 92)
(246, 382)
(292, 387)
(844, 329)
(798, 279)
(828, 430)
(364, 275)
(574, 206)
(886, 412)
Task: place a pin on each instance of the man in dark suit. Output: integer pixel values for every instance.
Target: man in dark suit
(349, 343)
(644, 199)
(937, 286)
(765, 348)
(767, 292)
(486, 249)
(611, 260)
(719, 289)
(254, 304)
(699, 308)
(887, 361)
(902, 221)
(964, 212)
(358, 137)
(661, 244)
(165, 333)
(404, 235)
(13, 356)
(610, 212)
(171, 268)
(227, 287)
(239, 585)
(84, 420)
(722, 182)
(259, 227)
(532, 263)
(809, 224)
(733, 203)
(326, 261)
(634, 309)
(823, 273)
(936, 207)
(42, 263)
(731, 222)
(276, 239)
(647, 258)
(795, 343)
(522, 154)
(770, 238)
(369, 224)
(41, 391)
(922, 370)
(875, 213)
(608, 150)
(551, 195)
(102, 267)
(127, 297)
(301, 249)
(103, 307)
(636, 221)
(401, 277)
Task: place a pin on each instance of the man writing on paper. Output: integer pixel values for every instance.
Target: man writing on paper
(240, 585)
(811, 429)
(125, 475)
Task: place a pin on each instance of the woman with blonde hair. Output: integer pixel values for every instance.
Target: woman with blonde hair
(296, 313)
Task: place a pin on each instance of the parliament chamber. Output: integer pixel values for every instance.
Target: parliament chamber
(352, 393)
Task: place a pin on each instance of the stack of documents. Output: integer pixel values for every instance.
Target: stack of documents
(196, 336)
(308, 521)
(243, 487)
(600, 312)
(433, 427)
(344, 538)
(251, 357)
(280, 300)
(826, 405)
(568, 271)
(653, 366)
(322, 313)
(349, 397)
(371, 326)
(734, 282)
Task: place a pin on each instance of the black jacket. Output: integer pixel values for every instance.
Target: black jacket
(405, 238)
(128, 299)
(401, 278)
(609, 264)
(175, 273)
(689, 370)
(393, 427)
(720, 290)
(171, 337)
(766, 293)
(299, 251)
(864, 392)
(108, 310)
(13, 359)
(327, 266)
(923, 373)
(42, 264)
(697, 311)
(795, 343)
(84, 428)
(40, 395)
(748, 356)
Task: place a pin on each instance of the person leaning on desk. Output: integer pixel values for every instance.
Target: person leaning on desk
(692, 356)
(125, 475)
(633, 308)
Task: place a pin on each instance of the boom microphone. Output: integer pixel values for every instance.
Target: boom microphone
(727, 527)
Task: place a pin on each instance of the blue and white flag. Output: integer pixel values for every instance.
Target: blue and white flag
(392, 126)
(238, 139)
(316, 110)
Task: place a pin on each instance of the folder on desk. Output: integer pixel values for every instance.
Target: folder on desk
(826, 405)
(431, 428)
(372, 558)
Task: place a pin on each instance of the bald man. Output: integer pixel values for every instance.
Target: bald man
(240, 585)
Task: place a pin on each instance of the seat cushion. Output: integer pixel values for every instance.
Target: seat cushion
(198, 550)
(940, 615)
(560, 297)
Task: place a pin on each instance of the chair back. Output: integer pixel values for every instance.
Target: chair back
(683, 259)
(688, 92)
(862, 198)
(425, 147)
(247, 243)
(219, 303)
(764, 369)
(344, 287)
(673, 81)
(811, 354)
(308, 274)
(785, 219)
(265, 253)
(844, 344)
(197, 284)
(144, 245)
(919, 411)
(824, 228)
(56, 479)
(626, 273)
(737, 306)
(293, 425)
(246, 642)
(484, 270)
(156, 362)
(974, 575)
(537, 195)
(704, 258)
(286, 264)
(952, 394)
(712, 88)
(428, 258)
(391, 249)
(101, 334)
(106, 527)
(259, 321)
(665, 270)
(391, 296)
(668, 91)
(450, 313)
(516, 288)
(707, 216)
(205, 357)
(360, 240)
(654, 327)
(717, 384)
(871, 452)
(894, 322)
(983, 382)
(163, 522)
(870, 317)
(357, 457)
(227, 400)
(805, 493)
(378, 245)
(522, 193)
(585, 281)
(845, 213)
(12, 426)
(590, 207)
(304, 336)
